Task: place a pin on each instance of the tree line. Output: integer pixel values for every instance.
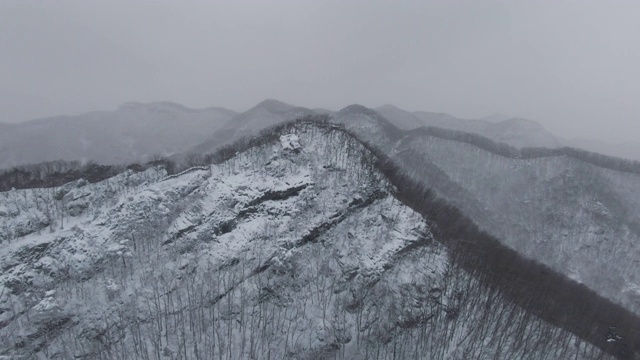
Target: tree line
(529, 284)
(604, 161)
(57, 173)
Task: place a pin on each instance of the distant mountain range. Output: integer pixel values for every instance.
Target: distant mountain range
(313, 242)
(513, 131)
(138, 132)
(574, 211)
(267, 113)
(333, 235)
(627, 150)
(134, 132)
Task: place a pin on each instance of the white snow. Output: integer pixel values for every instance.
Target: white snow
(290, 142)
(272, 230)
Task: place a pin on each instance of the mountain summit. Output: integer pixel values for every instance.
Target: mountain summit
(302, 243)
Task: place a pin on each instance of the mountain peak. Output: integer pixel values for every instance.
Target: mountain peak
(273, 105)
(357, 108)
(388, 107)
(315, 215)
(363, 120)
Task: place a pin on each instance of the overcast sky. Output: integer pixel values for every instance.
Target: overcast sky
(572, 66)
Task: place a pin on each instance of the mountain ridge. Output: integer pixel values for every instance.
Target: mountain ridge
(274, 177)
(59, 139)
(524, 197)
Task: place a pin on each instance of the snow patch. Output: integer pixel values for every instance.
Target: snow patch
(290, 142)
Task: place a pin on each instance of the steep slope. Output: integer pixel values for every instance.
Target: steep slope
(574, 211)
(369, 125)
(579, 216)
(296, 247)
(267, 113)
(134, 132)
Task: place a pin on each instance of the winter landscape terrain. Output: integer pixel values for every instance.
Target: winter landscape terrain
(286, 232)
(577, 212)
(134, 132)
(138, 132)
(317, 180)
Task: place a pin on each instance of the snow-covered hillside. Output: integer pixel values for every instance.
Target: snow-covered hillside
(132, 133)
(249, 123)
(578, 216)
(294, 248)
(580, 219)
(369, 125)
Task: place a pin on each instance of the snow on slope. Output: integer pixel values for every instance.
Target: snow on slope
(265, 114)
(578, 218)
(369, 124)
(280, 252)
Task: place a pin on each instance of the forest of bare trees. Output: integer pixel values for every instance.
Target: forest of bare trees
(486, 301)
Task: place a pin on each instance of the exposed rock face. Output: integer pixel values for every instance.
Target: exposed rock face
(294, 248)
(290, 142)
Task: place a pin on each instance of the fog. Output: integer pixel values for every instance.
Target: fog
(572, 66)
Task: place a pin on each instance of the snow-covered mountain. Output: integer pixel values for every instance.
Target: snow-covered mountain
(132, 133)
(139, 132)
(369, 125)
(302, 245)
(579, 218)
(575, 211)
(517, 132)
(267, 113)
(512, 131)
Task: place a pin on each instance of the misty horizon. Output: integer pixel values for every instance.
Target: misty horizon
(319, 179)
(543, 61)
(492, 118)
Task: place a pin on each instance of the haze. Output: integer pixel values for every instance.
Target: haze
(572, 66)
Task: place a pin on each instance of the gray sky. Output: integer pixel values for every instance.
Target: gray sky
(572, 66)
